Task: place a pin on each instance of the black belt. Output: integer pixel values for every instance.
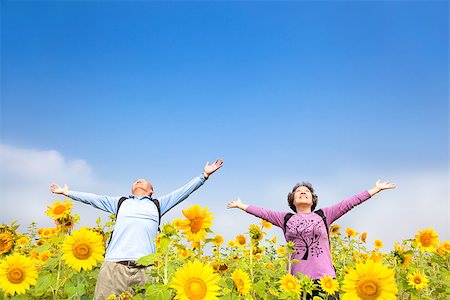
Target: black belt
(130, 264)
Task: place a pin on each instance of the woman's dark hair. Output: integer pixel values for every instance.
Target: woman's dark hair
(290, 196)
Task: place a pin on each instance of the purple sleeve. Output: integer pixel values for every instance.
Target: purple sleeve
(276, 218)
(336, 211)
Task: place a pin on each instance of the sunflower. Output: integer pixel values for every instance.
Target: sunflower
(378, 244)
(34, 255)
(329, 285)
(17, 274)
(231, 243)
(47, 232)
(363, 237)
(444, 248)
(44, 255)
(398, 248)
(195, 281)
(67, 222)
(350, 232)
(195, 245)
(334, 229)
(241, 240)
(289, 283)
(83, 249)
(376, 256)
(168, 230)
(177, 223)
(198, 220)
(218, 240)
(220, 267)
(183, 253)
(258, 250)
(59, 210)
(369, 281)
(23, 241)
(6, 242)
(417, 280)
(427, 240)
(274, 240)
(265, 224)
(281, 251)
(241, 281)
(223, 267)
(407, 259)
(255, 233)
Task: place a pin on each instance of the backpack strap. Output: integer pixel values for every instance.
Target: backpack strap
(117, 212)
(159, 212)
(119, 204)
(324, 219)
(286, 219)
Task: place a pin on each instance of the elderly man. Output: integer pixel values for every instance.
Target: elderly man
(135, 229)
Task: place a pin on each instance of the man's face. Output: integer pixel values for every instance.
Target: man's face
(141, 187)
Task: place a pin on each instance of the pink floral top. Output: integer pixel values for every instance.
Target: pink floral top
(308, 233)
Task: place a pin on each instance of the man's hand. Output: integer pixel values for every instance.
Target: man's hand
(211, 168)
(56, 189)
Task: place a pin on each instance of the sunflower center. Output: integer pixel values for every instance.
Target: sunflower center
(239, 284)
(195, 288)
(368, 289)
(223, 267)
(290, 285)
(82, 251)
(59, 209)
(417, 280)
(425, 240)
(15, 275)
(328, 284)
(196, 224)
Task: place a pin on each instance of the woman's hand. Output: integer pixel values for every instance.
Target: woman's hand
(237, 204)
(381, 185)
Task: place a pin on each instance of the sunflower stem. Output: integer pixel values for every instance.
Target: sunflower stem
(55, 294)
(251, 266)
(199, 254)
(166, 263)
(251, 262)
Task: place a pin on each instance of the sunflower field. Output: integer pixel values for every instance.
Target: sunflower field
(192, 262)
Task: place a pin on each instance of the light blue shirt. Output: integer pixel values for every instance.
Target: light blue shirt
(137, 224)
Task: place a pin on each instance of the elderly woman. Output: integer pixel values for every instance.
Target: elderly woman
(308, 229)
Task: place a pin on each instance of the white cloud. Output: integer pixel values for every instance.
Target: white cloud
(25, 178)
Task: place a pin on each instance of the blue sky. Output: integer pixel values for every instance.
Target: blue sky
(339, 93)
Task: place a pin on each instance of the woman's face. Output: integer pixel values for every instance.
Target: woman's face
(303, 197)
